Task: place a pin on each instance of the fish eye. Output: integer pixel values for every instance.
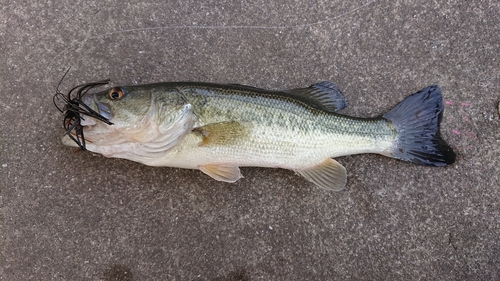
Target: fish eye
(116, 93)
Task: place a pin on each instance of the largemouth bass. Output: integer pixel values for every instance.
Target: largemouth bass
(219, 128)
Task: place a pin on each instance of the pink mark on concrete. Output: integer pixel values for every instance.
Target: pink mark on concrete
(448, 102)
(466, 119)
(470, 135)
(464, 103)
(455, 132)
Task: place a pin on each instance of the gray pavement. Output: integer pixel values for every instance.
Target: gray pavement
(79, 216)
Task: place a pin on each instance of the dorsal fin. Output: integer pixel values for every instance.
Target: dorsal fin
(323, 95)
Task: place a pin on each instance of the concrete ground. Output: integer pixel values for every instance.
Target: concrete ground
(81, 216)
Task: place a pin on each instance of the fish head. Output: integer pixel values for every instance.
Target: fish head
(128, 118)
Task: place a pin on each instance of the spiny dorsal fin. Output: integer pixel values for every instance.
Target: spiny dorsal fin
(222, 172)
(323, 95)
(222, 133)
(330, 175)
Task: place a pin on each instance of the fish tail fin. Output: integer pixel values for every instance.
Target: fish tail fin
(417, 120)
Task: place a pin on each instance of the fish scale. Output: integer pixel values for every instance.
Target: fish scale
(297, 136)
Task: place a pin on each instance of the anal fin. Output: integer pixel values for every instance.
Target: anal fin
(222, 172)
(330, 175)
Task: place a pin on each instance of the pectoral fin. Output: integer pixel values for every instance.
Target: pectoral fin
(329, 175)
(222, 172)
(223, 133)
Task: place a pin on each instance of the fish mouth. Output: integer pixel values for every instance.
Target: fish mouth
(76, 106)
(100, 108)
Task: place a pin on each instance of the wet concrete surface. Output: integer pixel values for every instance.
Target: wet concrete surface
(80, 216)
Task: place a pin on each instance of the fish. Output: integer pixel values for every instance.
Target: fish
(218, 128)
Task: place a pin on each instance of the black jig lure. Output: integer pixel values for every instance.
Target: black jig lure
(74, 109)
